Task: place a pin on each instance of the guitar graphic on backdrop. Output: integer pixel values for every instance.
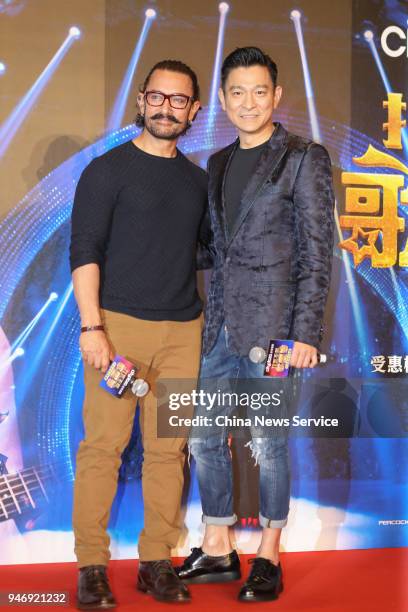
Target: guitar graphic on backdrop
(24, 492)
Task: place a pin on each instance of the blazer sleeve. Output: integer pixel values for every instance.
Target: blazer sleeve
(314, 232)
(205, 246)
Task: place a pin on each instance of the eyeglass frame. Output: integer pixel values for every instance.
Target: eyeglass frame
(167, 97)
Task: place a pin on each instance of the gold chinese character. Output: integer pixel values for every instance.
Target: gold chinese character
(363, 197)
(394, 125)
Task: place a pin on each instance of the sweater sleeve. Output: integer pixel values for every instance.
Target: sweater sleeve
(92, 211)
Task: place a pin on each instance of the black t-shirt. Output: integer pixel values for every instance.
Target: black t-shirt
(240, 170)
(139, 216)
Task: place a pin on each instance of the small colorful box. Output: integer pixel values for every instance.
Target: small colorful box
(119, 376)
(278, 358)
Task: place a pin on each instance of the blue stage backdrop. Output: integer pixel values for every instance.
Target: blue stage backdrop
(344, 74)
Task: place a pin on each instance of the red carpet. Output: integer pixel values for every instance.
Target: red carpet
(337, 581)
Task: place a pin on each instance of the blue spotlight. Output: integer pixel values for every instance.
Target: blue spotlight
(67, 294)
(29, 328)
(116, 116)
(356, 305)
(19, 352)
(296, 17)
(75, 32)
(12, 124)
(223, 8)
(2, 68)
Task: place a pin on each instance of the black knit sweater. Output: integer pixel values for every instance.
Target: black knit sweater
(139, 217)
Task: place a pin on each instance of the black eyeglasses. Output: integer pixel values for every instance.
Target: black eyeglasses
(157, 98)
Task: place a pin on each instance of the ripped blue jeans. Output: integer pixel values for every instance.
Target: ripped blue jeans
(213, 457)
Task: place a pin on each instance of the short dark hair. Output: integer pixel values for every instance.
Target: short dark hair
(245, 57)
(173, 66)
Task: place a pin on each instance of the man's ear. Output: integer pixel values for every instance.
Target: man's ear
(195, 107)
(277, 94)
(221, 98)
(141, 102)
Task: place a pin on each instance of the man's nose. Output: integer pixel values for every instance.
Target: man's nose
(166, 105)
(249, 101)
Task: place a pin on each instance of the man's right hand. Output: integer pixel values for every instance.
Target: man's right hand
(96, 349)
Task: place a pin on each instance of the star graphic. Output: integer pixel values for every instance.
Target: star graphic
(351, 244)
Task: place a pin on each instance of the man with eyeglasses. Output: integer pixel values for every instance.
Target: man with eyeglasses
(140, 230)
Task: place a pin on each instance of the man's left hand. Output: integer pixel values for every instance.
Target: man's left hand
(303, 356)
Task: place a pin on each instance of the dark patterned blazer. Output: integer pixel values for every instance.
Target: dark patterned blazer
(271, 271)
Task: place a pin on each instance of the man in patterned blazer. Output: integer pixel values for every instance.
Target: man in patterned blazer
(271, 205)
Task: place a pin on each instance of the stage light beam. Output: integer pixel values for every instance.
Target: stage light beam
(13, 123)
(22, 337)
(118, 110)
(19, 352)
(223, 8)
(75, 32)
(66, 296)
(296, 17)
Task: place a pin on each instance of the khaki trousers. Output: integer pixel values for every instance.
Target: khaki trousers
(162, 349)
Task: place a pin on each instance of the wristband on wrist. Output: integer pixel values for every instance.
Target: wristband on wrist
(88, 328)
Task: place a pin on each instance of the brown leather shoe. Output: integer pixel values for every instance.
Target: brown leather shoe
(93, 589)
(159, 579)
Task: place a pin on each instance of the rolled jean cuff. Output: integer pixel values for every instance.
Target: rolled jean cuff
(219, 520)
(272, 523)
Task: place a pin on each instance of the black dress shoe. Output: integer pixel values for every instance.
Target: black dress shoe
(264, 582)
(200, 568)
(159, 579)
(93, 589)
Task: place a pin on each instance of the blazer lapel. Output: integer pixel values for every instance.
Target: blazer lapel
(269, 160)
(217, 185)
